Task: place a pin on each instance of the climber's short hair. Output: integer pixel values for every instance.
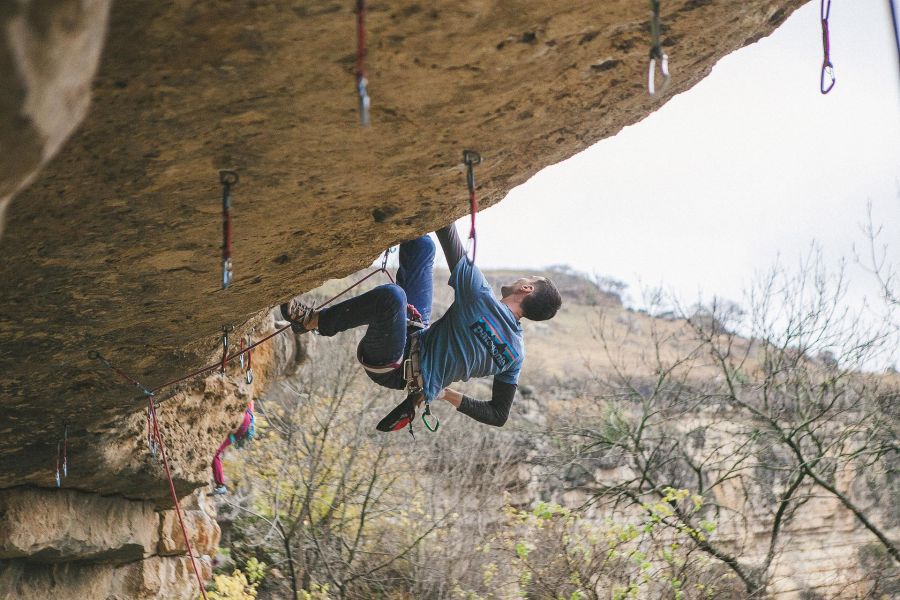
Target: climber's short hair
(543, 302)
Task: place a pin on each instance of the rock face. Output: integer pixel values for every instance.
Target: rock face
(68, 544)
(115, 246)
(46, 69)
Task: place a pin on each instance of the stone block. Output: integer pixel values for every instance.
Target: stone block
(65, 525)
(157, 578)
(203, 529)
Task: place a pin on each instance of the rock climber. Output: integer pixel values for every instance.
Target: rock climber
(238, 437)
(478, 336)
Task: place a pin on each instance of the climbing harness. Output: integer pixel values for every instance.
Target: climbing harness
(361, 81)
(826, 79)
(248, 435)
(227, 179)
(414, 385)
(470, 159)
(656, 53)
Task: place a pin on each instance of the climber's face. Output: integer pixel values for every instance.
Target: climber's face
(523, 286)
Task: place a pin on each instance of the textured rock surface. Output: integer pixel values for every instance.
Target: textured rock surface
(156, 577)
(115, 245)
(46, 67)
(201, 524)
(70, 544)
(48, 526)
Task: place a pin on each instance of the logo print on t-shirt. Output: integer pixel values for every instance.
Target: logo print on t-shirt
(500, 352)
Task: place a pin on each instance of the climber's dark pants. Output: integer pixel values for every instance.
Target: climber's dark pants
(383, 310)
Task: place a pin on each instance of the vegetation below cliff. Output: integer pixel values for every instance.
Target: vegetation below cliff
(645, 458)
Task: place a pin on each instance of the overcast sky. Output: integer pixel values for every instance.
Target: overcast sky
(751, 164)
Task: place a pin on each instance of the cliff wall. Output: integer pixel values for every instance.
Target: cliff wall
(114, 244)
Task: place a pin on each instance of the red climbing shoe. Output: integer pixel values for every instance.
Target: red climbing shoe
(402, 415)
(297, 314)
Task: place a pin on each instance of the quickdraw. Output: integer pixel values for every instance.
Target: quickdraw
(470, 159)
(58, 451)
(656, 53)
(827, 78)
(248, 373)
(226, 329)
(151, 441)
(384, 259)
(361, 80)
(227, 179)
(154, 419)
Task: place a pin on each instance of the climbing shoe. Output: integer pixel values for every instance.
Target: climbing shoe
(219, 490)
(297, 314)
(402, 415)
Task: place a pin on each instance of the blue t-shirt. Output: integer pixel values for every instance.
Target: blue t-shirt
(478, 336)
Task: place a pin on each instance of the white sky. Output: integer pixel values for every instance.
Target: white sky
(751, 164)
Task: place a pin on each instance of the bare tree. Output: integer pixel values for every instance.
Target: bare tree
(324, 496)
(757, 426)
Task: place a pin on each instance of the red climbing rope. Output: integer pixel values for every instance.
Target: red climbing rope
(218, 364)
(470, 159)
(151, 413)
(93, 354)
(156, 436)
(382, 269)
(827, 67)
(162, 451)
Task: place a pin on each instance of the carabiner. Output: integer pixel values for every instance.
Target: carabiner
(470, 159)
(58, 482)
(227, 179)
(827, 69)
(827, 66)
(656, 52)
(425, 415)
(663, 69)
(471, 247)
(248, 376)
(65, 468)
(364, 101)
(225, 331)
